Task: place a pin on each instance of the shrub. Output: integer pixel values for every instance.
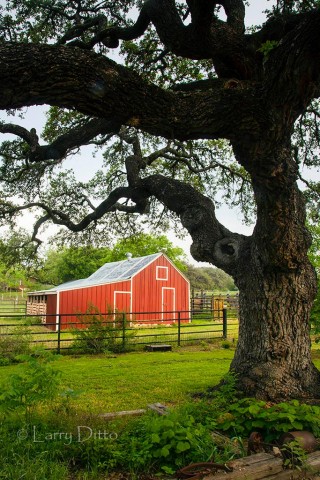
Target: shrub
(14, 342)
(101, 335)
(38, 383)
(168, 442)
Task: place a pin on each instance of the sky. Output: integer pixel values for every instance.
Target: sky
(85, 164)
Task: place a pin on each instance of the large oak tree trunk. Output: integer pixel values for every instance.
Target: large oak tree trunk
(277, 286)
(273, 356)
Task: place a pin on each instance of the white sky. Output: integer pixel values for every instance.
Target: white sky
(85, 164)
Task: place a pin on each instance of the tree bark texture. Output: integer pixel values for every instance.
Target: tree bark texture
(277, 286)
(273, 359)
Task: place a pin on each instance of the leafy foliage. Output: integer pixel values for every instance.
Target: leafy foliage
(267, 47)
(14, 345)
(41, 21)
(147, 445)
(295, 455)
(38, 383)
(45, 184)
(209, 165)
(146, 244)
(233, 92)
(18, 261)
(72, 263)
(249, 415)
(208, 278)
(101, 333)
(286, 6)
(314, 255)
(168, 443)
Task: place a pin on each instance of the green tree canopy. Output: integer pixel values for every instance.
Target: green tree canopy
(72, 263)
(145, 244)
(17, 260)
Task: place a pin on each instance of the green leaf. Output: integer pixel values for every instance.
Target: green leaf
(254, 409)
(155, 438)
(182, 447)
(297, 425)
(165, 452)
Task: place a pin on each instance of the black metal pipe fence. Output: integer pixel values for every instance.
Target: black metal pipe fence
(96, 332)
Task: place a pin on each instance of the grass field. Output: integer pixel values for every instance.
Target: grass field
(130, 381)
(111, 383)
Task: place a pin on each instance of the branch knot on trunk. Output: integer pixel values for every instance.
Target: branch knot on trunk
(226, 250)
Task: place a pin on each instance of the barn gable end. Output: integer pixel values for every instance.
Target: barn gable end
(136, 285)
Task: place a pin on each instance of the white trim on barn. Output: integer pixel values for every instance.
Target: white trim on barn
(115, 298)
(57, 311)
(160, 268)
(163, 311)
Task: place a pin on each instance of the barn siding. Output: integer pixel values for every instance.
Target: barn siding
(147, 290)
(79, 300)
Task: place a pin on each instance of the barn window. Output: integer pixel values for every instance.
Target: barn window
(162, 273)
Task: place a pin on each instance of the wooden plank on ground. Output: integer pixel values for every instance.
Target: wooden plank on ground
(159, 408)
(311, 468)
(158, 348)
(254, 467)
(123, 413)
(156, 407)
(266, 466)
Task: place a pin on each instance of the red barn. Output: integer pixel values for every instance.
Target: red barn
(151, 288)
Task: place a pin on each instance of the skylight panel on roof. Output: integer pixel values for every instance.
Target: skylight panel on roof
(114, 271)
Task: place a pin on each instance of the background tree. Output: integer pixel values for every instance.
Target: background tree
(17, 261)
(146, 244)
(207, 278)
(188, 76)
(74, 262)
(314, 255)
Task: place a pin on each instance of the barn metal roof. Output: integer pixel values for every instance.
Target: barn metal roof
(111, 272)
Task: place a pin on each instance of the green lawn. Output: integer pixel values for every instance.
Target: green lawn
(109, 383)
(131, 381)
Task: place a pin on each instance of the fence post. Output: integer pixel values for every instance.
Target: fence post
(224, 322)
(179, 329)
(123, 331)
(59, 334)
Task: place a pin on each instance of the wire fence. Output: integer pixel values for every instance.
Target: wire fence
(13, 306)
(95, 331)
